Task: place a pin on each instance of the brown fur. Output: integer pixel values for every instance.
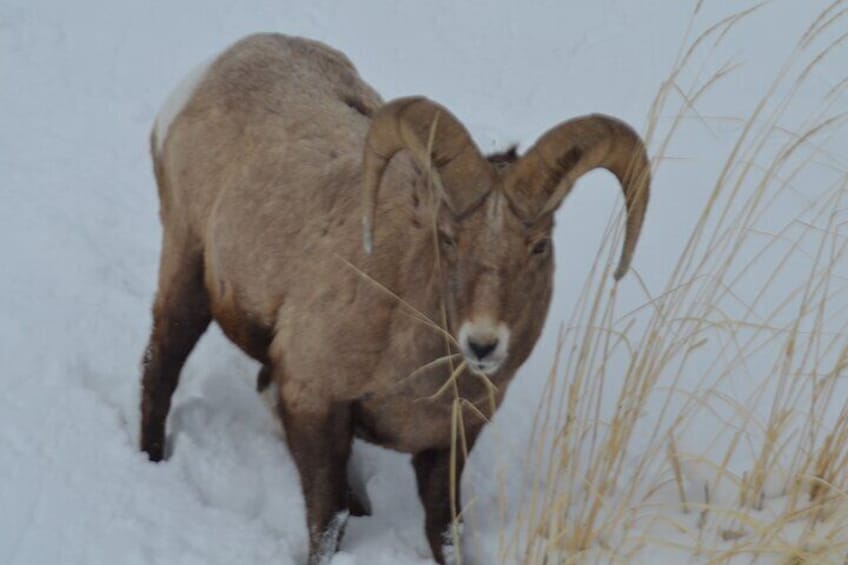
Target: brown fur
(260, 184)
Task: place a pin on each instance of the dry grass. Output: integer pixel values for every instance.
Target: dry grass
(611, 471)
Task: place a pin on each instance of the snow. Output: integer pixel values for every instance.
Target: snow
(79, 233)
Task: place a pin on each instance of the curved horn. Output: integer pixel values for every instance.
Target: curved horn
(542, 178)
(435, 137)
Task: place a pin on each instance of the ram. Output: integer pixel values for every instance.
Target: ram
(269, 163)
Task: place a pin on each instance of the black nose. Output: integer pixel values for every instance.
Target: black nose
(482, 349)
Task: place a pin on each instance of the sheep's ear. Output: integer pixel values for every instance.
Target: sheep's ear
(440, 144)
(428, 210)
(418, 199)
(539, 182)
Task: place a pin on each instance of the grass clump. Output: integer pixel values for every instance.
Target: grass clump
(644, 442)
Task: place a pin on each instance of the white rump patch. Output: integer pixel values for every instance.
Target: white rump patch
(176, 101)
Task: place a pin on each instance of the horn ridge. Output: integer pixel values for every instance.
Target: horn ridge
(542, 179)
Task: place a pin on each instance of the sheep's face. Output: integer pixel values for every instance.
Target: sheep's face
(497, 278)
(496, 269)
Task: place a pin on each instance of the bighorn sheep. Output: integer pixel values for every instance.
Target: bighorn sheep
(268, 162)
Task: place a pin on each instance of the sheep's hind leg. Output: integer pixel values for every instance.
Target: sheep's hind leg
(263, 379)
(319, 437)
(180, 316)
(267, 389)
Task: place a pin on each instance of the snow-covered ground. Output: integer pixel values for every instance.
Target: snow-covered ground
(80, 85)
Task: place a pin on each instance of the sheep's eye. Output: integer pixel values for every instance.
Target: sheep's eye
(541, 246)
(447, 241)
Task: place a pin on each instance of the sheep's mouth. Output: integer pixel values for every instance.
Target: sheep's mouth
(486, 368)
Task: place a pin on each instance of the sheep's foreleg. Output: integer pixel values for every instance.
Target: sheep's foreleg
(432, 470)
(319, 439)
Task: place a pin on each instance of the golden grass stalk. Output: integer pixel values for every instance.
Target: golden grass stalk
(592, 479)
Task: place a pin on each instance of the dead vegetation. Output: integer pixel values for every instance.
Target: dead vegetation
(753, 294)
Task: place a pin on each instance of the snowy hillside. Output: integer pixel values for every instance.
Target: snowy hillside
(80, 85)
